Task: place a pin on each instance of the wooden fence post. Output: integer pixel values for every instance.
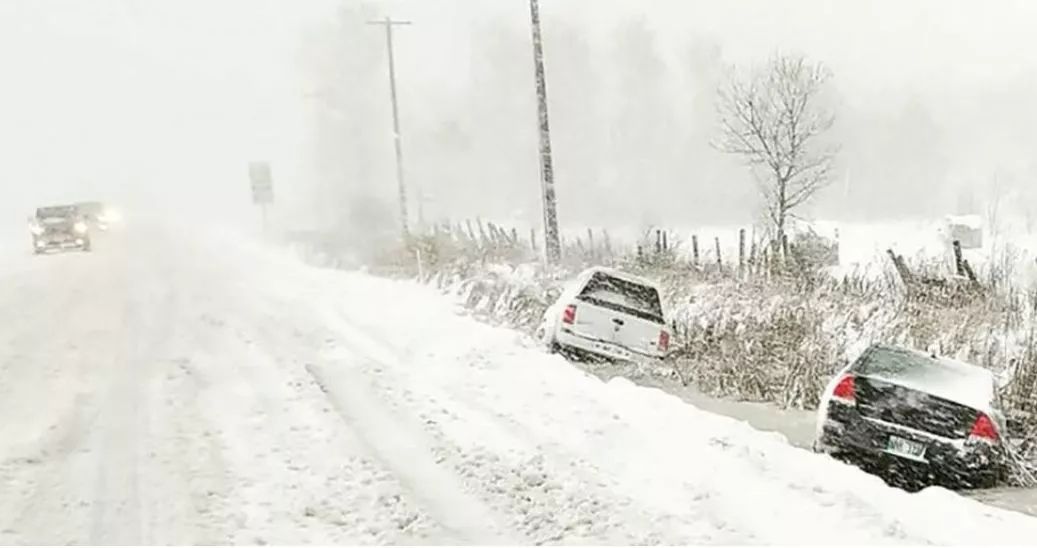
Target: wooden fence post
(902, 269)
(720, 259)
(741, 251)
(695, 249)
(969, 272)
(958, 266)
(752, 257)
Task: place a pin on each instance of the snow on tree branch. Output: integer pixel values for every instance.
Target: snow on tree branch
(772, 119)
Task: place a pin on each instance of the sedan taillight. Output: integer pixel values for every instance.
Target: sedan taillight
(984, 429)
(846, 390)
(664, 340)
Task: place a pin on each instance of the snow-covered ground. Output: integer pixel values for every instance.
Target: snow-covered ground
(862, 245)
(179, 387)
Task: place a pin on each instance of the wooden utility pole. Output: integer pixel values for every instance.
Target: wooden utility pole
(552, 243)
(741, 251)
(389, 23)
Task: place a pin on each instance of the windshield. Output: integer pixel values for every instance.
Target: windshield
(56, 214)
(625, 296)
(518, 272)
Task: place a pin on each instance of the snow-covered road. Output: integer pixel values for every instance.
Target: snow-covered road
(174, 388)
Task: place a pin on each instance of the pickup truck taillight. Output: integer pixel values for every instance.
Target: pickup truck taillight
(664, 340)
(569, 315)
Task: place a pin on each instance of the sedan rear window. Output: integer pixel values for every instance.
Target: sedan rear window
(623, 296)
(899, 363)
(955, 381)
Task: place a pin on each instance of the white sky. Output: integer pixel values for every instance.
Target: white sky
(171, 98)
(103, 98)
(972, 65)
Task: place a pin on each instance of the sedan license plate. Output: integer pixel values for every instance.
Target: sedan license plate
(905, 448)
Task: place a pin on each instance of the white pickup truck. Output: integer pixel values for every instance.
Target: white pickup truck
(607, 314)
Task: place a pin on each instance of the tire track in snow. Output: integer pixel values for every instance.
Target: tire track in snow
(112, 462)
(552, 494)
(411, 458)
(60, 370)
(555, 495)
(300, 474)
(696, 495)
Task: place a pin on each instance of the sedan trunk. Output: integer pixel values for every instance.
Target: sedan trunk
(891, 403)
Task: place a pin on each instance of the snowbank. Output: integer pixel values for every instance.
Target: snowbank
(561, 456)
(647, 466)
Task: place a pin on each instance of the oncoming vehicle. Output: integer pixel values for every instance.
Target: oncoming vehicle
(59, 227)
(607, 314)
(930, 419)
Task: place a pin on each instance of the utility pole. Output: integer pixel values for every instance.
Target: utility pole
(389, 23)
(552, 245)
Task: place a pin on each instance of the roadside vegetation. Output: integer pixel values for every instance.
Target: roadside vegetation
(772, 331)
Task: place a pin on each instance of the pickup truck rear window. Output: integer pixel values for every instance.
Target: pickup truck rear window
(623, 296)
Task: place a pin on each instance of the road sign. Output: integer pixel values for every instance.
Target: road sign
(262, 183)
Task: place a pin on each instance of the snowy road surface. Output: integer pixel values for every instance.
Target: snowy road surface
(170, 388)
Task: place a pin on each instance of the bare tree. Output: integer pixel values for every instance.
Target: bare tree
(773, 120)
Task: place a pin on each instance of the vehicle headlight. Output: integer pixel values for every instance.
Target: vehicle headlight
(80, 227)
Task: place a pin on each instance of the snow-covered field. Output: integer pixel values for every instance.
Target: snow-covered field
(180, 387)
(862, 245)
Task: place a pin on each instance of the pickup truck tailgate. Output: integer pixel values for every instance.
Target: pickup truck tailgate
(621, 312)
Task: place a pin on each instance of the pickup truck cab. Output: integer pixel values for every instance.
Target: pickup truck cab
(607, 314)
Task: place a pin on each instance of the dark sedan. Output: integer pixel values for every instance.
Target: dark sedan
(915, 418)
